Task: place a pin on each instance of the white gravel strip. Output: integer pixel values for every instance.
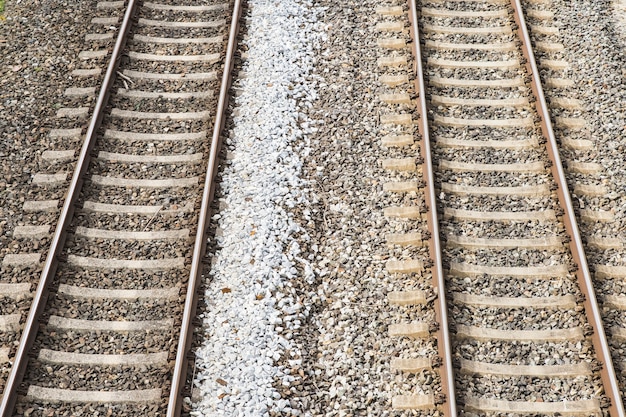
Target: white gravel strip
(251, 299)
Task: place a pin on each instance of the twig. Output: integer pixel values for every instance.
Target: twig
(125, 77)
(152, 218)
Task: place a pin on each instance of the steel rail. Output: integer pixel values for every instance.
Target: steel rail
(191, 299)
(585, 281)
(47, 275)
(441, 306)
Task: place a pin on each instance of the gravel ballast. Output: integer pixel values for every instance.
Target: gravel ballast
(296, 317)
(252, 306)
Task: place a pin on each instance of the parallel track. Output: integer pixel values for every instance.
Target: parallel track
(512, 249)
(109, 305)
(594, 191)
(413, 253)
(22, 264)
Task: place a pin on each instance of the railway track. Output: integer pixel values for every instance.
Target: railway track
(413, 240)
(116, 296)
(521, 294)
(526, 329)
(22, 259)
(593, 194)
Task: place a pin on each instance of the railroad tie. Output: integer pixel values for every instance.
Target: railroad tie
(110, 5)
(95, 55)
(532, 407)
(550, 47)
(406, 239)
(405, 266)
(391, 43)
(396, 98)
(539, 14)
(507, 46)
(406, 298)
(462, 123)
(450, 63)
(539, 190)
(390, 10)
(80, 92)
(610, 272)
(549, 371)
(58, 156)
(544, 30)
(549, 335)
(588, 168)
(57, 395)
(73, 112)
(484, 14)
(578, 144)
(413, 402)
(86, 73)
(396, 119)
(412, 365)
(31, 231)
(399, 164)
(500, 216)
(411, 212)
(605, 243)
(592, 216)
(590, 190)
(551, 242)
(106, 21)
(397, 140)
(454, 101)
(572, 123)
(95, 37)
(506, 29)
(564, 301)
(462, 82)
(566, 103)
(555, 65)
(401, 187)
(616, 301)
(558, 83)
(529, 167)
(182, 8)
(33, 206)
(394, 80)
(392, 61)
(180, 25)
(541, 271)
(390, 27)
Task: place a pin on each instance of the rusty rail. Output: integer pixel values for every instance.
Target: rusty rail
(441, 308)
(583, 275)
(47, 275)
(191, 299)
